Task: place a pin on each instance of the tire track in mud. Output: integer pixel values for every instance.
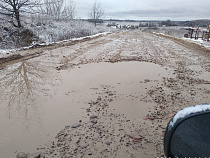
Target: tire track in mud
(100, 50)
(191, 50)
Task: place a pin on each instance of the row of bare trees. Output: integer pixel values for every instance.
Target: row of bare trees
(57, 9)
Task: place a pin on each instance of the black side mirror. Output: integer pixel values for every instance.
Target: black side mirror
(188, 133)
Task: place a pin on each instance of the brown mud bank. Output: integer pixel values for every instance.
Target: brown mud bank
(118, 92)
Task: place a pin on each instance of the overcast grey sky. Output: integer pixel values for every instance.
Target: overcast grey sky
(148, 9)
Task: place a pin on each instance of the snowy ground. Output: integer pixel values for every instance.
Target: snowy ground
(48, 32)
(3, 53)
(179, 32)
(133, 81)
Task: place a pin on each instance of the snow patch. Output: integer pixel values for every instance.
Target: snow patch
(199, 41)
(187, 111)
(178, 33)
(4, 53)
(161, 34)
(74, 39)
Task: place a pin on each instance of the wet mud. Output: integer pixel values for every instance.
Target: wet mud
(110, 96)
(10, 58)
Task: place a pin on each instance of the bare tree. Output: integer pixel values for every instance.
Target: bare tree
(69, 10)
(58, 9)
(13, 9)
(51, 8)
(96, 13)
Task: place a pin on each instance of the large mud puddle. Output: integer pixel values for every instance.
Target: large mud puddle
(38, 101)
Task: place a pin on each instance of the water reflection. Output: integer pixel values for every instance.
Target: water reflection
(21, 84)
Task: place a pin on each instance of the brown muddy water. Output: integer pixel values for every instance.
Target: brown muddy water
(38, 101)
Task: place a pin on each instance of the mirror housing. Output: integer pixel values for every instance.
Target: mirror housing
(188, 133)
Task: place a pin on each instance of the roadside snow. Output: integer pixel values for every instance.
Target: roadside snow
(6, 53)
(92, 36)
(201, 42)
(69, 40)
(187, 111)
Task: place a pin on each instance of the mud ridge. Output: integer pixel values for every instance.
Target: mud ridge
(201, 49)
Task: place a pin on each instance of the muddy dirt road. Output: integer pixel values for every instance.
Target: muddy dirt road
(109, 96)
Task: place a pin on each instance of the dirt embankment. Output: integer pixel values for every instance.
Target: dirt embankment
(37, 49)
(190, 45)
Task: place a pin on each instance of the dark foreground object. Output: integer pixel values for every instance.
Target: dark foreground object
(188, 133)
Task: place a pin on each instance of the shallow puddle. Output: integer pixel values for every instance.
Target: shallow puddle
(37, 102)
